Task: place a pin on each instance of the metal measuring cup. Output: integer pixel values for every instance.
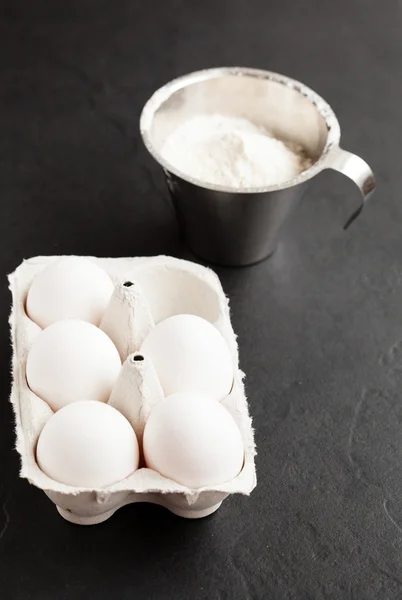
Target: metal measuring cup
(231, 226)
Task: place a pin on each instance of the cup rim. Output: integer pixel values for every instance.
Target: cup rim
(163, 93)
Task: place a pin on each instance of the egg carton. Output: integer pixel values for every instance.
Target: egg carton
(147, 291)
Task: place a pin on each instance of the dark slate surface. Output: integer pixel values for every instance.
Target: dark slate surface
(320, 325)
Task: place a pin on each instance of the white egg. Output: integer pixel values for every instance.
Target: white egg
(190, 355)
(69, 288)
(71, 360)
(88, 444)
(193, 440)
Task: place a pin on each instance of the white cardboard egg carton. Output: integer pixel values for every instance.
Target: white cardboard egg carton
(162, 287)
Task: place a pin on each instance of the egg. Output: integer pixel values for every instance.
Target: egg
(71, 360)
(87, 444)
(190, 355)
(193, 440)
(69, 288)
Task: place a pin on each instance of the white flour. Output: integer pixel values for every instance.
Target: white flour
(233, 152)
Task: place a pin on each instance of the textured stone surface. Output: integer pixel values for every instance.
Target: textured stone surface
(320, 324)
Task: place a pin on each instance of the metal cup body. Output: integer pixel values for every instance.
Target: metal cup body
(231, 229)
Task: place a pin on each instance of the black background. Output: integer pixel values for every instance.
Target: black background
(319, 325)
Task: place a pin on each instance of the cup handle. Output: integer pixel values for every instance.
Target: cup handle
(357, 170)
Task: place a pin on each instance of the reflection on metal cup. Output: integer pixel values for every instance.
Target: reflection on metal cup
(231, 226)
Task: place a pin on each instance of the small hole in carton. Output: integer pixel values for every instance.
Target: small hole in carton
(138, 357)
(128, 284)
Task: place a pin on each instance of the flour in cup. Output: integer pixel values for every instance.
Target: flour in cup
(232, 152)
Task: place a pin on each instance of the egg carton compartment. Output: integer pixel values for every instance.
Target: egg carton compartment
(147, 291)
